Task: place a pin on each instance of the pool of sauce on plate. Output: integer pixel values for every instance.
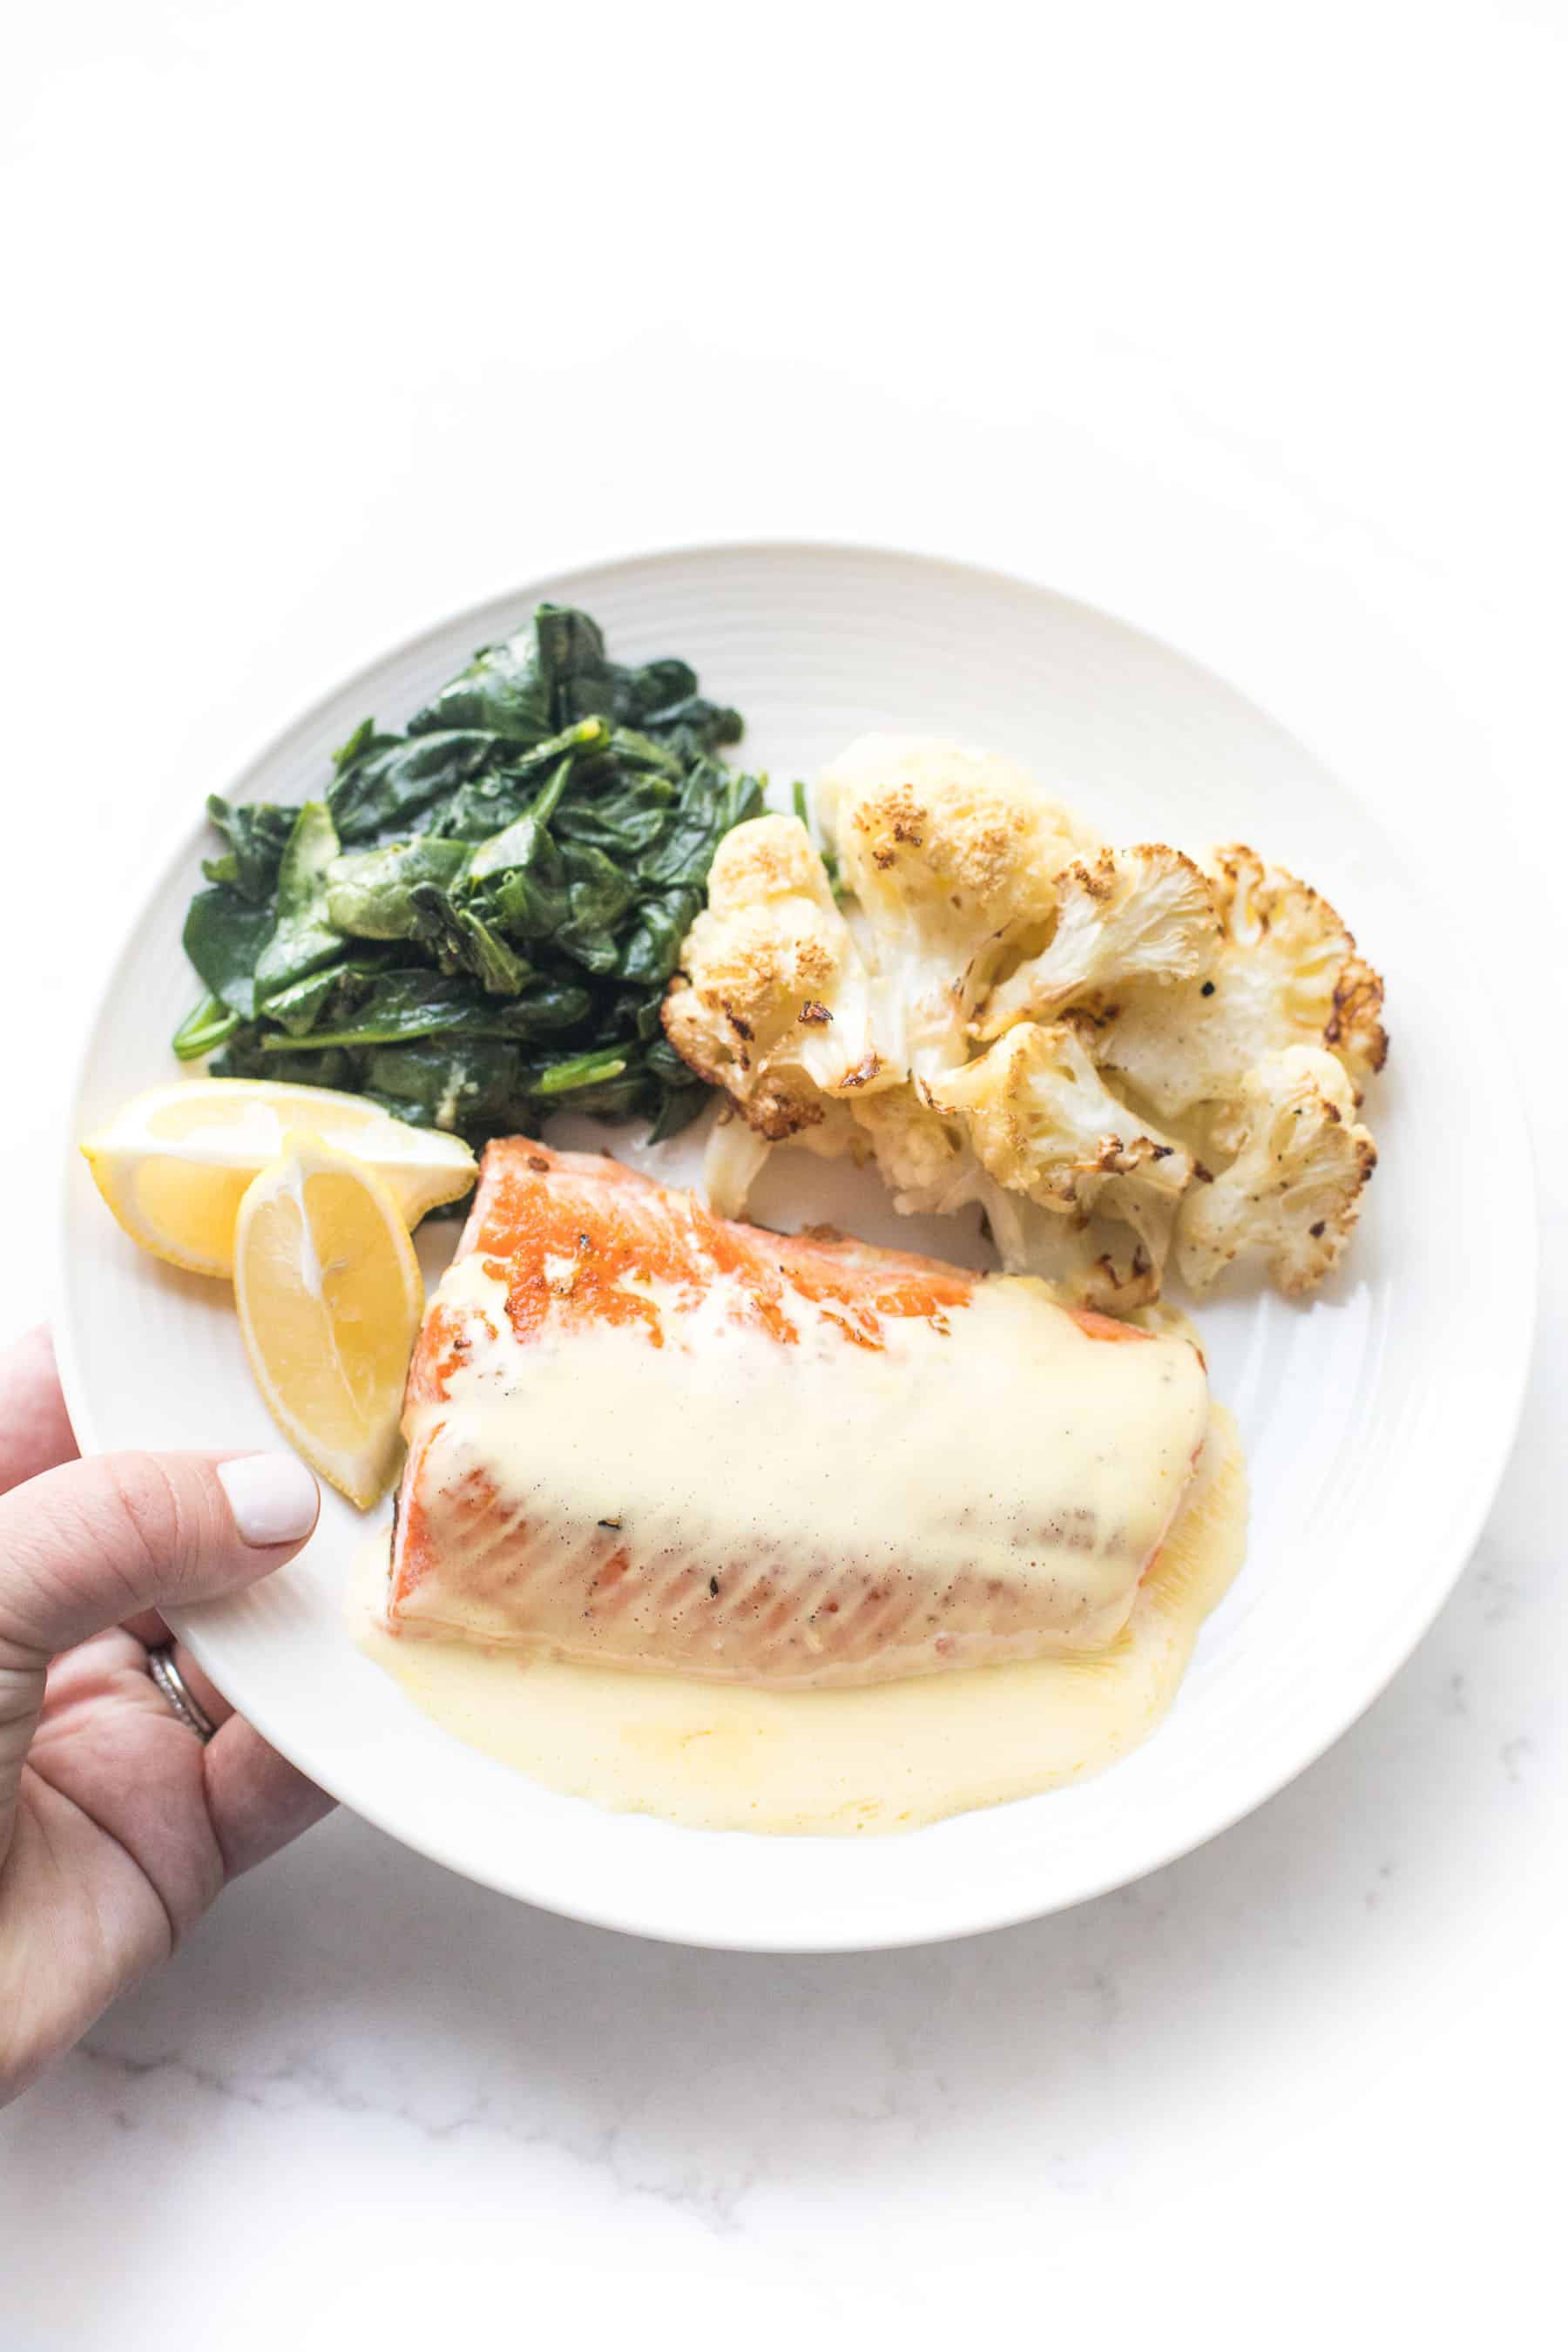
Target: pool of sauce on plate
(891, 1756)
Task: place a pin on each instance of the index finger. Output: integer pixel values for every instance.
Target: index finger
(35, 1428)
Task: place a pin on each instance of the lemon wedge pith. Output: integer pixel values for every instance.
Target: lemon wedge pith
(330, 1299)
(174, 1163)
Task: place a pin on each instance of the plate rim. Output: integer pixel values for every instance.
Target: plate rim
(174, 850)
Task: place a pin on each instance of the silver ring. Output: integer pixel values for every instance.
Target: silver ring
(172, 1683)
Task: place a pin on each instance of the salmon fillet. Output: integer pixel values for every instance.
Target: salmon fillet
(644, 1437)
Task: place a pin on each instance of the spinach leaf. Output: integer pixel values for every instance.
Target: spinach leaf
(520, 844)
(550, 673)
(544, 1007)
(302, 937)
(713, 799)
(694, 728)
(651, 950)
(637, 693)
(528, 905)
(378, 1007)
(496, 799)
(623, 825)
(258, 834)
(225, 933)
(244, 1056)
(468, 1086)
(410, 1003)
(383, 785)
(296, 1006)
(661, 699)
(599, 893)
(570, 654)
(505, 690)
(370, 896)
(680, 1106)
(626, 747)
(497, 967)
(501, 792)
(459, 939)
(513, 887)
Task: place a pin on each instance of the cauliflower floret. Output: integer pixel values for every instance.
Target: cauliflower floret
(775, 1002)
(1044, 1127)
(1292, 1195)
(920, 1156)
(1044, 1123)
(1089, 1261)
(928, 764)
(1134, 914)
(948, 851)
(1287, 973)
(931, 1168)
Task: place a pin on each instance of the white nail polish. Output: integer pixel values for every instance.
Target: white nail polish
(273, 1498)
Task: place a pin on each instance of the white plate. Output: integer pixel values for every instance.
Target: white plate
(1376, 1419)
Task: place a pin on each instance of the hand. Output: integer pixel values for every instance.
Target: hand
(118, 1826)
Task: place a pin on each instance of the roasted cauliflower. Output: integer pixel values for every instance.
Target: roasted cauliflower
(1142, 915)
(1286, 974)
(949, 853)
(775, 1002)
(1119, 1054)
(1293, 1194)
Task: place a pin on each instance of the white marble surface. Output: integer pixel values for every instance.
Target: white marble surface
(335, 319)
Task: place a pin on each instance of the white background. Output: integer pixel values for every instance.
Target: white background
(322, 320)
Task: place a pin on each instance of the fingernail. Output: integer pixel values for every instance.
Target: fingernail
(273, 1498)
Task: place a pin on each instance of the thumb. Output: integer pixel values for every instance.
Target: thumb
(92, 1542)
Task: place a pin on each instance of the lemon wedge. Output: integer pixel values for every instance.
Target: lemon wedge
(330, 1299)
(173, 1164)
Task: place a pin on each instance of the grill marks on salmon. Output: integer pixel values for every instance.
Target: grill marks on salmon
(645, 1437)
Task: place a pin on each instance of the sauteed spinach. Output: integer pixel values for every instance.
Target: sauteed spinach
(475, 923)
